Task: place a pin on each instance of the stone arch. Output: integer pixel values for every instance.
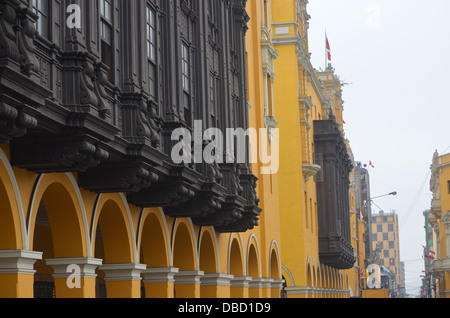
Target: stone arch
(184, 249)
(319, 275)
(309, 273)
(57, 227)
(314, 273)
(153, 240)
(287, 276)
(13, 232)
(308, 276)
(236, 259)
(58, 198)
(253, 258)
(333, 278)
(208, 251)
(328, 277)
(112, 229)
(274, 261)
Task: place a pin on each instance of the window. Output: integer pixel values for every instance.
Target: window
(386, 253)
(374, 237)
(106, 32)
(385, 236)
(185, 70)
(269, 95)
(185, 67)
(212, 98)
(151, 50)
(379, 228)
(448, 182)
(151, 35)
(391, 244)
(306, 208)
(266, 13)
(391, 227)
(40, 7)
(189, 46)
(212, 28)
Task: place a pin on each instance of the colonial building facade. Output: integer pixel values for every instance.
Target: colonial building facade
(315, 165)
(439, 219)
(96, 98)
(88, 185)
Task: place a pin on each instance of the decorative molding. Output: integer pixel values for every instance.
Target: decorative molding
(241, 281)
(271, 125)
(188, 277)
(160, 275)
(18, 261)
(87, 265)
(310, 170)
(123, 272)
(216, 279)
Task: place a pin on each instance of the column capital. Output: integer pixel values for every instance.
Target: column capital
(123, 272)
(87, 265)
(241, 281)
(257, 282)
(294, 290)
(18, 261)
(160, 275)
(217, 279)
(188, 277)
(277, 283)
(267, 282)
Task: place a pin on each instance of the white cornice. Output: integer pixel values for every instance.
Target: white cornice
(18, 261)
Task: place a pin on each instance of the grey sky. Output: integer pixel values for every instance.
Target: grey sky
(396, 108)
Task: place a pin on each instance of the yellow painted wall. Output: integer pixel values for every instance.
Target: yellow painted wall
(300, 92)
(375, 293)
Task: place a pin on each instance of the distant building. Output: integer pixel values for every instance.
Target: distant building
(402, 280)
(385, 237)
(428, 253)
(364, 206)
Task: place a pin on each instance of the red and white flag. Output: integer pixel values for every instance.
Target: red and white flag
(371, 164)
(328, 48)
(431, 255)
(362, 215)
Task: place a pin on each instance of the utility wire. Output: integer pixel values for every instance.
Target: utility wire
(411, 207)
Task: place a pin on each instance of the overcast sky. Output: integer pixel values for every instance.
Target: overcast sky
(394, 55)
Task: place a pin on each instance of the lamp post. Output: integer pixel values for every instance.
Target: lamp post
(384, 195)
(380, 196)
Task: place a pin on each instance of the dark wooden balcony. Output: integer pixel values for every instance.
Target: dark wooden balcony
(333, 195)
(73, 100)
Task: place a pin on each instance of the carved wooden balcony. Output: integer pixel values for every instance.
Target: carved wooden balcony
(332, 195)
(251, 212)
(64, 107)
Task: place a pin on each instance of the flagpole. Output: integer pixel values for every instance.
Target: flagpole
(326, 52)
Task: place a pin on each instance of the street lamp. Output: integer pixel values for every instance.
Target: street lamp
(384, 195)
